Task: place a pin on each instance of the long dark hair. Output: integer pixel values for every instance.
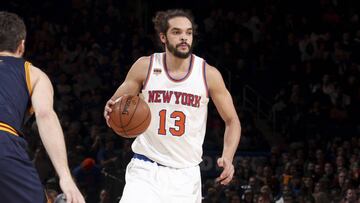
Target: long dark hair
(161, 19)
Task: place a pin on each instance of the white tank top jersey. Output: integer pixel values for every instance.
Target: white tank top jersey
(178, 114)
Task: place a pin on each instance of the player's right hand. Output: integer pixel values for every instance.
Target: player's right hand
(107, 110)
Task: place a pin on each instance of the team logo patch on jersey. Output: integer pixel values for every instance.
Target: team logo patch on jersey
(157, 71)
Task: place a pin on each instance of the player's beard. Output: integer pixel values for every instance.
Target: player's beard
(176, 52)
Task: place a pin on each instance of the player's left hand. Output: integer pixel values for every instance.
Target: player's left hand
(228, 171)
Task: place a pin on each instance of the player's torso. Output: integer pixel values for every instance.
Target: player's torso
(179, 111)
(14, 92)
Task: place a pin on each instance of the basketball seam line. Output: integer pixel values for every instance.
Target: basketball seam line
(121, 119)
(141, 122)
(137, 104)
(116, 126)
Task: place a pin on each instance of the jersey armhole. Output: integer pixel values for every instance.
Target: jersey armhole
(149, 71)
(204, 79)
(28, 84)
(27, 75)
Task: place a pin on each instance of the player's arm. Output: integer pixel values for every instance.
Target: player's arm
(132, 83)
(134, 79)
(224, 104)
(51, 133)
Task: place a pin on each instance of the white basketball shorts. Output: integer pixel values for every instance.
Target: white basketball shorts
(149, 182)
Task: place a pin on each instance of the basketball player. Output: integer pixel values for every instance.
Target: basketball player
(21, 86)
(177, 85)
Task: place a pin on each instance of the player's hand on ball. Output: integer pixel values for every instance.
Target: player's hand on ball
(129, 117)
(107, 109)
(228, 171)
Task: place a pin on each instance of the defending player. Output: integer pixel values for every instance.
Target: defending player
(22, 86)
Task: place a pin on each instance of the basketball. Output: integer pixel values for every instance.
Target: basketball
(130, 116)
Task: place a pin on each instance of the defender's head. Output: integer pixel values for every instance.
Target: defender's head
(12, 33)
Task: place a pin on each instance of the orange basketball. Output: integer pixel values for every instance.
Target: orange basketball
(130, 116)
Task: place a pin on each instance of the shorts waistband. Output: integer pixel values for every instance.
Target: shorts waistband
(7, 128)
(145, 158)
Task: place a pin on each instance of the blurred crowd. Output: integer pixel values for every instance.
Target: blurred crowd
(303, 56)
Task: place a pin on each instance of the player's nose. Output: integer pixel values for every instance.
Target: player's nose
(183, 37)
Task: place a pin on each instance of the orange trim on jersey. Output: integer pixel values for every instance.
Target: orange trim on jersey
(149, 71)
(204, 79)
(27, 74)
(5, 127)
(28, 83)
(187, 74)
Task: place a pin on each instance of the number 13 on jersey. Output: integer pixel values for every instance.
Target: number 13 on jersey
(179, 125)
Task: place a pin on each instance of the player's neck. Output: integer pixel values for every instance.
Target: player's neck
(175, 63)
(7, 53)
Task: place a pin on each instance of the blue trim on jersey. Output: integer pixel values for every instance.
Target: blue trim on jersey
(144, 158)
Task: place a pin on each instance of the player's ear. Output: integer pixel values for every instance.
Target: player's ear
(162, 37)
(21, 48)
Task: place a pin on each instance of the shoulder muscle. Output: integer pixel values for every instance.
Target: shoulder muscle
(139, 69)
(214, 79)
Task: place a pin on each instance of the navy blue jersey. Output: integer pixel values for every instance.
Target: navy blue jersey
(15, 91)
(18, 178)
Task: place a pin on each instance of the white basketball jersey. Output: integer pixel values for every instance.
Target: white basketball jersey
(178, 114)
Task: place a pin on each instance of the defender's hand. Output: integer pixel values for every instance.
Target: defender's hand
(72, 193)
